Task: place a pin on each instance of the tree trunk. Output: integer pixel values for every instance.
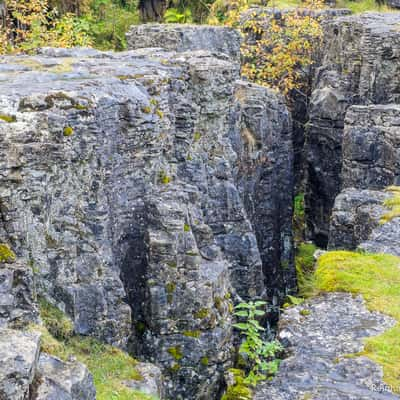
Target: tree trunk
(152, 10)
(3, 13)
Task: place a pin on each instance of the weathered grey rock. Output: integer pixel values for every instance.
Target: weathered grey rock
(360, 60)
(151, 382)
(320, 334)
(393, 3)
(19, 352)
(371, 147)
(59, 380)
(177, 37)
(120, 184)
(17, 295)
(262, 139)
(356, 223)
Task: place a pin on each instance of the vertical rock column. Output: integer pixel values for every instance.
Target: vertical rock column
(359, 63)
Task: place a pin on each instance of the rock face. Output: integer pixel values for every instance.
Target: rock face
(180, 38)
(355, 223)
(371, 162)
(371, 147)
(17, 295)
(132, 187)
(262, 139)
(360, 60)
(319, 341)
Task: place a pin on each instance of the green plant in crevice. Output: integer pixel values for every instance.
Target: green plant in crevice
(261, 355)
(299, 218)
(175, 16)
(305, 268)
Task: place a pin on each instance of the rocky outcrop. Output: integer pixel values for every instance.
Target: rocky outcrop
(181, 38)
(360, 60)
(132, 189)
(357, 223)
(371, 162)
(371, 147)
(318, 341)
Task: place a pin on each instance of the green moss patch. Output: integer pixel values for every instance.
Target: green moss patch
(57, 323)
(6, 254)
(239, 390)
(377, 278)
(393, 204)
(68, 131)
(8, 118)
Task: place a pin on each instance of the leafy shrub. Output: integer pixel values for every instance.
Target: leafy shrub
(276, 54)
(261, 355)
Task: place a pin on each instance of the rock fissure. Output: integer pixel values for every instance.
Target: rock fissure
(146, 192)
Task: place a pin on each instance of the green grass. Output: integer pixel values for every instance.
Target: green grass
(393, 204)
(377, 278)
(109, 365)
(363, 6)
(305, 263)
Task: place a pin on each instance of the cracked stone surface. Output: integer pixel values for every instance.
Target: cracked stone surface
(319, 334)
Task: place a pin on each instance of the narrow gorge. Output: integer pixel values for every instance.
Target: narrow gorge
(145, 193)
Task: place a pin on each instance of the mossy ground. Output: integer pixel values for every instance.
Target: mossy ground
(109, 366)
(377, 278)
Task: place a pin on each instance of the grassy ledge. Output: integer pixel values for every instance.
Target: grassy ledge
(377, 278)
(110, 366)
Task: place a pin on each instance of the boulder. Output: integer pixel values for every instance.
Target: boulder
(59, 380)
(19, 353)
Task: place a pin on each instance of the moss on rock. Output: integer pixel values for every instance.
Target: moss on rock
(6, 254)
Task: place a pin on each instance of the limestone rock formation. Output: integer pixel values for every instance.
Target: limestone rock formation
(356, 223)
(318, 342)
(180, 38)
(360, 60)
(132, 192)
(371, 147)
